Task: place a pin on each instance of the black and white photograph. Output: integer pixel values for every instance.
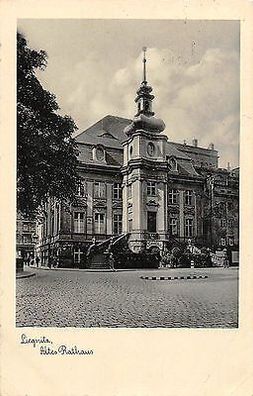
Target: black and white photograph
(127, 173)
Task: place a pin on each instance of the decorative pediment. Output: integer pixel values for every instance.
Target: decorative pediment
(173, 208)
(117, 205)
(152, 203)
(189, 210)
(82, 202)
(99, 203)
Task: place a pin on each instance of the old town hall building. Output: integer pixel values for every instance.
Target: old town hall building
(134, 181)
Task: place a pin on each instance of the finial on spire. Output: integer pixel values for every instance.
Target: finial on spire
(144, 64)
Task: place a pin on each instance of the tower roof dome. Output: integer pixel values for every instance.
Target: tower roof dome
(144, 118)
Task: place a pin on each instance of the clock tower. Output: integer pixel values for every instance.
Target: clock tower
(145, 174)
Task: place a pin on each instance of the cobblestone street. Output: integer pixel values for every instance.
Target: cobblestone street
(61, 298)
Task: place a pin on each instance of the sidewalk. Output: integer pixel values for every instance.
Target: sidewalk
(24, 274)
(171, 270)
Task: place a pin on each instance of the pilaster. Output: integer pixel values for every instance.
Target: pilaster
(181, 213)
(89, 207)
(109, 208)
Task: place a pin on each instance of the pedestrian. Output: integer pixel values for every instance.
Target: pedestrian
(37, 261)
(225, 259)
(111, 261)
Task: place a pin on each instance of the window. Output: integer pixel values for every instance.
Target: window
(188, 197)
(172, 164)
(151, 149)
(81, 188)
(230, 222)
(79, 222)
(99, 223)
(99, 190)
(188, 227)
(173, 194)
(77, 256)
(131, 151)
(223, 223)
(223, 242)
(231, 241)
(27, 238)
(151, 221)
(100, 153)
(25, 227)
(117, 224)
(117, 191)
(173, 226)
(151, 188)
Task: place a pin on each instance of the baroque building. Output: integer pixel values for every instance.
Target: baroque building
(134, 181)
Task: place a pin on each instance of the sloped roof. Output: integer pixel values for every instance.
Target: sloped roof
(109, 131)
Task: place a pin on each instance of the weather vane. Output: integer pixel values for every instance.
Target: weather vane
(144, 63)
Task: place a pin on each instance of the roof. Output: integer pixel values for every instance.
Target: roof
(109, 131)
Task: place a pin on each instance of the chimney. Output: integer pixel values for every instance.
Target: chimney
(184, 142)
(228, 167)
(211, 146)
(195, 142)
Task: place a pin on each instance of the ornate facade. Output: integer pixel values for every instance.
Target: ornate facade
(135, 181)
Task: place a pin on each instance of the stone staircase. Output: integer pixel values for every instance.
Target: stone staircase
(99, 254)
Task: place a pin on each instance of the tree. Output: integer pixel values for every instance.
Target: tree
(46, 152)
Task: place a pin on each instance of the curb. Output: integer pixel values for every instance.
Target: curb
(174, 277)
(25, 275)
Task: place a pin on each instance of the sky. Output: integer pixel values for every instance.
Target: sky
(95, 67)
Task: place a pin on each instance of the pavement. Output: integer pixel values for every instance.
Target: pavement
(80, 298)
(24, 274)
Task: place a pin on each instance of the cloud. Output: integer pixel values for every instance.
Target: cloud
(195, 100)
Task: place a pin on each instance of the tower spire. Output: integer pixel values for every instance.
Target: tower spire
(144, 49)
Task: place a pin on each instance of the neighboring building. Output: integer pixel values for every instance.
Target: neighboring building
(133, 180)
(25, 237)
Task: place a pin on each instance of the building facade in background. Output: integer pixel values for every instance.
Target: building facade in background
(25, 237)
(135, 181)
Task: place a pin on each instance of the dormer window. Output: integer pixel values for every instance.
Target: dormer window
(172, 163)
(98, 153)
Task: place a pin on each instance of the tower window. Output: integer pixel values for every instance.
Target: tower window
(151, 149)
(131, 151)
(151, 188)
(117, 191)
(151, 221)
